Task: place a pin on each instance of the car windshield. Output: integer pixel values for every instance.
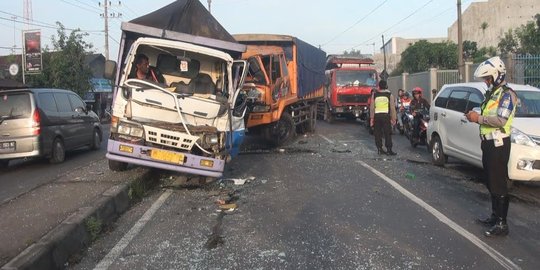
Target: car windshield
(15, 106)
(529, 105)
(356, 78)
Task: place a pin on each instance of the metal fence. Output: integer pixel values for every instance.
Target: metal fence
(526, 69)
(446, 77)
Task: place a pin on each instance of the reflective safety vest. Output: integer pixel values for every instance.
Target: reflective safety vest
(382, 101)
(490, 107)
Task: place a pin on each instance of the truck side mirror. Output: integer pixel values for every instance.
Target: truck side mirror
(110, 70)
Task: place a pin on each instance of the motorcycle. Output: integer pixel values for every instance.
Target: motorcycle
(402, 119)
(423, 117)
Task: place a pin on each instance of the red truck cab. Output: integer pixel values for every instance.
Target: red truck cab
(348, 87)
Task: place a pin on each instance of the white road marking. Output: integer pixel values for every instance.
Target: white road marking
(503, 261)
(108, 260)
(328, 140)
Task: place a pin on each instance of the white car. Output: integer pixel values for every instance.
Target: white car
(450, 134)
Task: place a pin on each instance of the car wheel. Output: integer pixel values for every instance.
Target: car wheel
(58, 152)
(437, 152)
(117, 166)
(96, 140)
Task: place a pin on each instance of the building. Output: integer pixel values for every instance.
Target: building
(394, 47)
(486, 22)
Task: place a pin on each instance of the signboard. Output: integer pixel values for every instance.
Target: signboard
(101, 85)
(32, 51)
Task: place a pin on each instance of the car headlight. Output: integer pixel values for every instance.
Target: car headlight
(518, 137)
(130, 130)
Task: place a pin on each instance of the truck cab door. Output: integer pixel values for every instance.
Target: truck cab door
(239, 108)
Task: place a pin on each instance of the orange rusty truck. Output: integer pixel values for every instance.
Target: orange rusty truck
(284, 84)
(348, 86)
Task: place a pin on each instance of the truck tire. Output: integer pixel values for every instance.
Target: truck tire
(281, 132)
(310, 124)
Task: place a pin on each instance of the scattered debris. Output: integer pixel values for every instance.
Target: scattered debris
(237, 181)
(341, 150)
(302, 142)
(229, 206)
(264, 181)
(410, 175)
(281, 150)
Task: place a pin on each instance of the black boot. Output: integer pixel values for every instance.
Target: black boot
(491, 220)
(380, 151)
(390, 152)
(501, 227)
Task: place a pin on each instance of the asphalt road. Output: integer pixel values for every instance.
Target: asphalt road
(327, 201)
(24, 175)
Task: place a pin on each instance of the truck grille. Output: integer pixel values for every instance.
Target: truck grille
(353, 98)
(169, 138)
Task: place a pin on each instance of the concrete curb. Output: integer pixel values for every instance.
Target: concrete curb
(56, 247)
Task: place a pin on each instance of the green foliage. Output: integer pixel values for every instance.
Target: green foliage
(93, 227)
(523, 40)
(353, 53)
(473, 54)
(64, 66)
(424, 55)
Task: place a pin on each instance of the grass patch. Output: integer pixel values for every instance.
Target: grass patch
(93, 227)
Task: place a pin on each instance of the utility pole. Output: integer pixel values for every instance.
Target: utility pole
(105, 15)
(384, 52)
(14, 38)
(460, 43)
(209, 6)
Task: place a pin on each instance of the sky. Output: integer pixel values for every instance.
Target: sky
(336, 25)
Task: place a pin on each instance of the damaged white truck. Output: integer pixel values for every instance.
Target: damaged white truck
(188, 114)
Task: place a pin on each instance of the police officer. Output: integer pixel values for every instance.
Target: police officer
(497, 113)
(382, 117)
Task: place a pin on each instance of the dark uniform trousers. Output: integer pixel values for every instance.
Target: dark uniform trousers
(382, 127)
(495, 162)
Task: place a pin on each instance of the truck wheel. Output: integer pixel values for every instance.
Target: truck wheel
(58, 152)
(437, 152)
(117, 166)
(282, 131)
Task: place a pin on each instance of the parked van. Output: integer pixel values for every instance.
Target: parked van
(450, 134)
(45, 123)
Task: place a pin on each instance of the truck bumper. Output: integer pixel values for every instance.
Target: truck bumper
(138, 155)
(354, 110)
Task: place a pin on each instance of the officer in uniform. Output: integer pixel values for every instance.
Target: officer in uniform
(497, 113)
(382, 117)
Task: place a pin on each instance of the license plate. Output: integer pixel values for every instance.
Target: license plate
(339, 110)
(126, 148)
(7, 145)
(167, 156)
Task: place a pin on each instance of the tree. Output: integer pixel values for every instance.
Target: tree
(353, 53)
(469, 49)
(484, 26)
(64, 66)
(424, 55)
(523, 40)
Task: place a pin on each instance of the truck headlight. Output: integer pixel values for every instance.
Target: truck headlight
(130, 130)
(260, 108)
(518, 137)
(211, 139)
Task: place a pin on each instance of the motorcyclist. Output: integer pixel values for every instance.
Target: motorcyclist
(404, 101)
(418, 104)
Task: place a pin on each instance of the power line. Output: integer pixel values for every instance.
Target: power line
(86, 4)
(402, 20)
(11, 14)
(356, 23)
(81, 7)
(47, 26)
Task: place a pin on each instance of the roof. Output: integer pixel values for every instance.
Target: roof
(483, 87)
(263, 37)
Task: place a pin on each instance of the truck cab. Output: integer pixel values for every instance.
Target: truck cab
(348, 86)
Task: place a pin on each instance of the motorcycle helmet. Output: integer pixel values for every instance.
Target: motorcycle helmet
(494, 68)
(417, 90)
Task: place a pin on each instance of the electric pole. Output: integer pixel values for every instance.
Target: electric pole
(209, 6)
(106, 15)
(460, 43)
(14, 38)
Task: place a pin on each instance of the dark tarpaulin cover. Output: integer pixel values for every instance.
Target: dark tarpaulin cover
(186, 16)
(311, 65)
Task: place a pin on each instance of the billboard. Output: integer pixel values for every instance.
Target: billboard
(32, 51)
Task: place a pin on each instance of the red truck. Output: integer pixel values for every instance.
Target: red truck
(349, 81)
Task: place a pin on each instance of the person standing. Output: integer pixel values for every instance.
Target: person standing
(382, 117)
(495, 120)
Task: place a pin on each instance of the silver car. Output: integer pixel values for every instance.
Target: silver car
(45, 123)
(450, 134)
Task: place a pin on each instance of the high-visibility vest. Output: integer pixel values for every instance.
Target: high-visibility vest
(490, 107)
(382, 101)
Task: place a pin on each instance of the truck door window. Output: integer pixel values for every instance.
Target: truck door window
(255, 74)
(266, 63)
(276, 68)
(284, 69)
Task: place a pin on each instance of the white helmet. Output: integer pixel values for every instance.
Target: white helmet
(493, 67)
